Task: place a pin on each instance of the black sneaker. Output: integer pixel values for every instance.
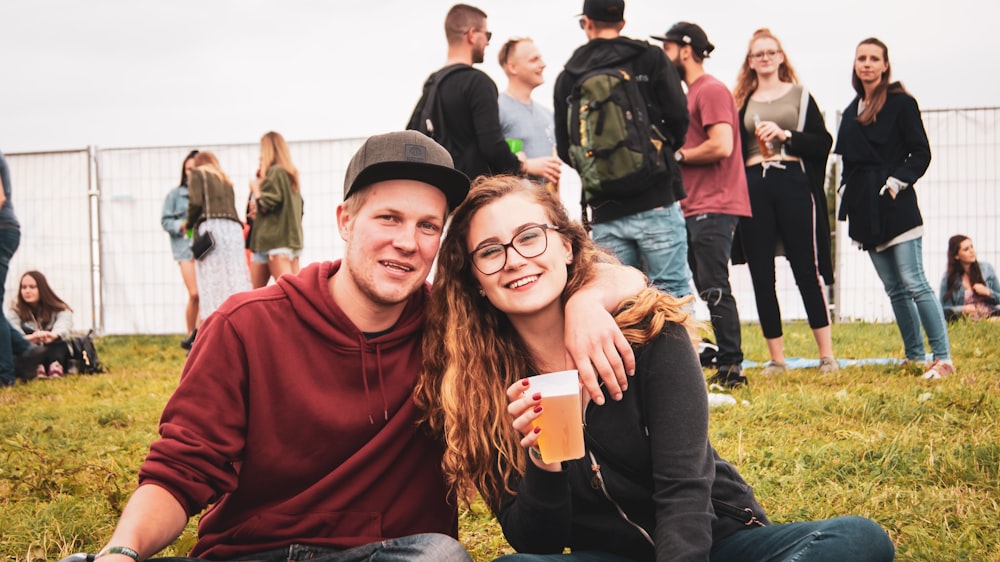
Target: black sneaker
(727, 377)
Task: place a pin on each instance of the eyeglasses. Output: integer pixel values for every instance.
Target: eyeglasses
(529, 242)
(489, 34)
(583, 23)
(761, 54)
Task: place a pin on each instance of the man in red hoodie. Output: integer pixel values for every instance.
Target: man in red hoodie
(293, 419)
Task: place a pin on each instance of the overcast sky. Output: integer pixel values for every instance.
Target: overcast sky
(116, 73)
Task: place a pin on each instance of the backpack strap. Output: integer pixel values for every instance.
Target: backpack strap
(430, 104)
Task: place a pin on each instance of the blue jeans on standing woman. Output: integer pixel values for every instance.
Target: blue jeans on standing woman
(10, 239)
(901, 268)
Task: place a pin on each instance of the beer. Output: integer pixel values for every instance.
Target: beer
(561, 421)
(767, 149)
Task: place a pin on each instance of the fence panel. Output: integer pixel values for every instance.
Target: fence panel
(133, 286)
(50, 198)
(958, 195)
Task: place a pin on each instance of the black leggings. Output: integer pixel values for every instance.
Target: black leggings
(783, 210)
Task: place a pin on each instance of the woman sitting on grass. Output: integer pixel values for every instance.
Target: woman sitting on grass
(45, 320)
(650, 486)
(969, 288)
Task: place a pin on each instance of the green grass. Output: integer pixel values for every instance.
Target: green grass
(920, 457)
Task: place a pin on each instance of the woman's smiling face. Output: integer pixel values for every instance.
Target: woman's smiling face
(523, 285)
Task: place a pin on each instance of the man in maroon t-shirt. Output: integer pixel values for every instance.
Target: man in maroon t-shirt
(711, 163)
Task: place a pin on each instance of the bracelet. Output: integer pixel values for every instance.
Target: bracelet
(131, 553)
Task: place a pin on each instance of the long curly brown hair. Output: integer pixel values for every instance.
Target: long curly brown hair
(472, 352)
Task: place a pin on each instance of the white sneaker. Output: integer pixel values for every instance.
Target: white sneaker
(939, 369)
(717, 400)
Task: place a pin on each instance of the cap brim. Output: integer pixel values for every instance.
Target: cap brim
(659, 37)
(453, 183)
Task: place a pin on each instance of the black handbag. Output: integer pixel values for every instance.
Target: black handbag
(204, 242)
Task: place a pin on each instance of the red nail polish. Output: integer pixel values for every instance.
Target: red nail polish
(538, 409)
(536, 396)
(525, 382)
(537, 430)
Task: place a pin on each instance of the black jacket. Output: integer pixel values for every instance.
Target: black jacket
(472, 118)
(811, 143)
(667, 104)
(658, 466)
(894, 145)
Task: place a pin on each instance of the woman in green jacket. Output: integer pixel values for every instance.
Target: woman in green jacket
(276, 211)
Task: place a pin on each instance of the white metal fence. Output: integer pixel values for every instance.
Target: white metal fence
(91, 222)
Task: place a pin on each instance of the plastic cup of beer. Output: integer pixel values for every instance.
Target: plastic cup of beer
(561, 420)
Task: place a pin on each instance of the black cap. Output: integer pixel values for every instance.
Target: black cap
(604, 10)
(686, 33)
(406, 155)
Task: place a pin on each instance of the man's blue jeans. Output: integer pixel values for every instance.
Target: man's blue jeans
(425, 547)
(901, 268)
(10, 239)
(654, 241)
(841, 539)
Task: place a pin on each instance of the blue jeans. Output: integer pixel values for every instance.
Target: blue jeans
(10, 239)
(841, 539)
(425, 547)
(901, 269)
(654, 241)
(831, 540)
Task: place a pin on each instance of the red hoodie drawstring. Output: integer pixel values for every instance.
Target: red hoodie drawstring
(381, 381)
(364, 378)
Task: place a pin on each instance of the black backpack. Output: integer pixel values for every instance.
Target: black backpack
(613, 144)
(83, 354)
(428, 115)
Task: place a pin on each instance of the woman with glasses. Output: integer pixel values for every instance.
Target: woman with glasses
(785, 148)
(650, 486)
(885, 150)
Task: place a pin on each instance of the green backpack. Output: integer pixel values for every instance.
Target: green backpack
(613, 145)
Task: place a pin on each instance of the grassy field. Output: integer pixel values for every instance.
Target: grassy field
(920, 457)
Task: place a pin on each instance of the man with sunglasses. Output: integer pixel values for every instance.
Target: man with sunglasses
(469, 126)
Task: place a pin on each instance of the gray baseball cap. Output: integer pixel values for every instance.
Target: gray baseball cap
(406, 155)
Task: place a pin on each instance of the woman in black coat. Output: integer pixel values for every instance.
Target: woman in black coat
(885, 151)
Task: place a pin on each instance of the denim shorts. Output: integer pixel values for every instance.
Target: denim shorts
(261, 257)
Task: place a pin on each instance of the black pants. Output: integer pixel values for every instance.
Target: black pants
(710, 242)
(783, 210)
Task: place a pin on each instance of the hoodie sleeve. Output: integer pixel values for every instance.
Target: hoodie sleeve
(669, 98)
(561, 92)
